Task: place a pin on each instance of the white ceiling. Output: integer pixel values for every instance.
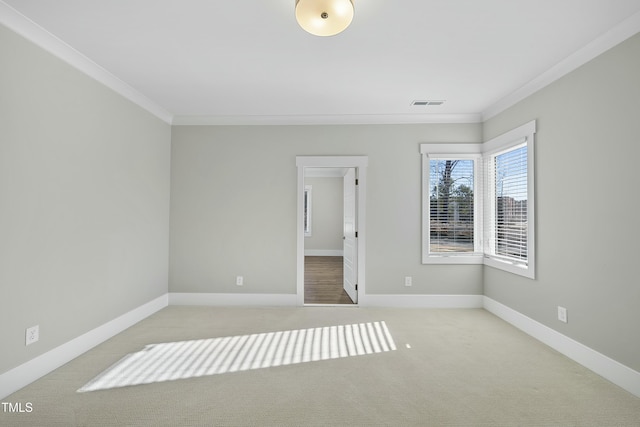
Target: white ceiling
(214, 61)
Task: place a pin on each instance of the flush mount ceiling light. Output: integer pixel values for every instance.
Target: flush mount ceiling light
(324, 17)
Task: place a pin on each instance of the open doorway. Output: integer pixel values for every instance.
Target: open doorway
(331, 215)
(324, 236)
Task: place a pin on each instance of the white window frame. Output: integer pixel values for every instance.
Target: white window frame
(451, 152)
(484, 202)
(503, 143)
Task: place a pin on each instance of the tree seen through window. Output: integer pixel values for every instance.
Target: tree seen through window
(451, 205)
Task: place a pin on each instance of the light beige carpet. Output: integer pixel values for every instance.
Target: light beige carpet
(206, 366)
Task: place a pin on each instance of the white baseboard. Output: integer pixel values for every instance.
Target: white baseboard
(421, 301)
(614, 371)
(213, 299)
(264, 300)
(617, 373)
(21, 376)
(323, 252)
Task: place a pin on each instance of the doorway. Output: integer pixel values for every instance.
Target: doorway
(328, 255)
(334, 275)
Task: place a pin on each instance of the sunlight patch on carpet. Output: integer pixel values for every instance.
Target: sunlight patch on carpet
(197, 358)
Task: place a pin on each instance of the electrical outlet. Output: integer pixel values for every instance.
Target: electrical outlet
(562, 314)
(239, 281)
(32, 335)
(408, 281)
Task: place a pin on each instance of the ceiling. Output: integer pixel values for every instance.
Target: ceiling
(213, 61)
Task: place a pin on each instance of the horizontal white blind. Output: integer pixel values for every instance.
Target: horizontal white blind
(510, 204)
(451, 209)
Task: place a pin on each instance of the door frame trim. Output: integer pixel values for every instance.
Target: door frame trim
(360, 163)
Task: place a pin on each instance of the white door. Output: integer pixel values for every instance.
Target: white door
(350, 244)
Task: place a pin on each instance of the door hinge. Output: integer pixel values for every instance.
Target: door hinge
(356, 286)
(356, 234)
(356, 182)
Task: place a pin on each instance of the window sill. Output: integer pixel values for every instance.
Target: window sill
(453, 259)
(478, 258)
(520, 270)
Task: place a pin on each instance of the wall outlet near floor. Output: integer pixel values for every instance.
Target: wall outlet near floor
(32, 335)
(408, 281)
(562, 314)
(239, 280)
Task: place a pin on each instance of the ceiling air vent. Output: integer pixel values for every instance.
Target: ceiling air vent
(427, 102)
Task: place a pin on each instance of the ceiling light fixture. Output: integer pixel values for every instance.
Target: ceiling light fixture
(324, 17)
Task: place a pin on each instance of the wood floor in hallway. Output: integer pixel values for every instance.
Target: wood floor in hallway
(323, 280)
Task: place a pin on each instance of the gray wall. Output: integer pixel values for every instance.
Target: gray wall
(233, 206)
(84, 202)
(326, 214)
(588, 146)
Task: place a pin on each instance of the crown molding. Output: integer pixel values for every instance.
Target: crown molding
(626, 29)
(31, 31)
(28, 29)
(344, 119)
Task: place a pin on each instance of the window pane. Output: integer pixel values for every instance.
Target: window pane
(511, 204)
(451, 205)
(307, 210)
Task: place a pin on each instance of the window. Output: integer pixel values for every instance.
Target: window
(508, 177)
(509, 227)
(451, 218)
(307, 211)
(478, 204)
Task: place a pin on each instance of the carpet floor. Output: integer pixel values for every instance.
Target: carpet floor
(322, 366)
